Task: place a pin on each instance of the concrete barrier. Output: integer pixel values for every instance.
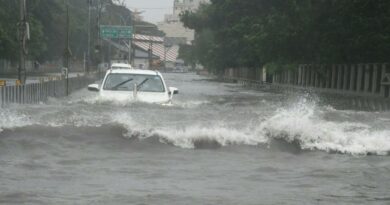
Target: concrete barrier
(361, 79)
(367, 84)
(39, 92)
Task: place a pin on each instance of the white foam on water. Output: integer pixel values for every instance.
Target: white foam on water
(189, 104)
(186, 137)
(223, 135)
(11, 119)
(303, 123)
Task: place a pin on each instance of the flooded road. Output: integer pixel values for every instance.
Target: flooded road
(218, 144)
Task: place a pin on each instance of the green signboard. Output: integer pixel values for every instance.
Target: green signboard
(116, 32)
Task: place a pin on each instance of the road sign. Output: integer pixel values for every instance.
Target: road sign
(116, 32)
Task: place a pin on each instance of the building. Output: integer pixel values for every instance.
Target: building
(172, 25)
(146, 49)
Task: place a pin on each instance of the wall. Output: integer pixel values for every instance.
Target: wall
(358, 86)
(357, 79)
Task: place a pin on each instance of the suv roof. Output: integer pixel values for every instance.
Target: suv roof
(134, 71)
(121, 65)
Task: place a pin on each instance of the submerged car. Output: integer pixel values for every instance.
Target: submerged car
(125, 83)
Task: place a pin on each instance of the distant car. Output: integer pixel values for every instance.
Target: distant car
(124, 83)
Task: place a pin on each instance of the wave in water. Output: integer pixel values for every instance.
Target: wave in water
(302, 124)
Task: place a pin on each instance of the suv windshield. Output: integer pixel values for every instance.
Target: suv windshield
(126, 82)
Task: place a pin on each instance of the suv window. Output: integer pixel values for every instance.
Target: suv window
(126, 82)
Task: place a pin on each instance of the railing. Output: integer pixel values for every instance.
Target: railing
(354, 87)
(358, 79)
(39, 92)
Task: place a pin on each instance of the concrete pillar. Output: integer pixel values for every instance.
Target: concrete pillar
(294, 77)
(352, 80)
(280, 77)
(316, 80)
(289, 77)
(340, 79)
(328, 81)
(300, 75)
(334, 77)
(359, 79)
(303, 76)
(382, 70)
(274, 78)
(285, 77)
(323, 76)
(346, 77)
(264, 70)
(308, 70)
(259, 74)
(312, 76)
(375, 79)
(367, 78)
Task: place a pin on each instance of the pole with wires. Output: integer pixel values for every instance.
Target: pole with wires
(89, 36)
(24, 35)
(67, 52)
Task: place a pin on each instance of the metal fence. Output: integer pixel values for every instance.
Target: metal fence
(39, 92)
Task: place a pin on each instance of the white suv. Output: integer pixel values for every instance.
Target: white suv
(132, 84)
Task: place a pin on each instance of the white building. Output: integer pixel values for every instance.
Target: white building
(172, 25)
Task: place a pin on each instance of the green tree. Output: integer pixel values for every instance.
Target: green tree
(252, 33)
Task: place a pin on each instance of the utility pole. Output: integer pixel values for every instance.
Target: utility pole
(67, 52)
(67, 49)
(130, 50)
(89, 36)
(131, 39)
(150, 51)
(24, 35)
(100, 46)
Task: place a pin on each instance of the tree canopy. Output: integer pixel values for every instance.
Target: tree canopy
(252, 33)
(47, 19)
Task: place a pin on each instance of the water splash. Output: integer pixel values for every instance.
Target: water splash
(303, 123)
(10, 119)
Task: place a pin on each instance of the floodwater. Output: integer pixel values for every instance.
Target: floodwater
(218, 144)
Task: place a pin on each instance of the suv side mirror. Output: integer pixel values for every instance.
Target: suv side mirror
(93, 87)
(173, 90)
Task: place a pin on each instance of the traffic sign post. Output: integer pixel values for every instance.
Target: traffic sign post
(116, 32)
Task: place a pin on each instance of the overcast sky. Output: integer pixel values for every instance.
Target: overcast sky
(154, 9)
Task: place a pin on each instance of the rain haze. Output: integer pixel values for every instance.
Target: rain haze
(238, 102)
(154, 9)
